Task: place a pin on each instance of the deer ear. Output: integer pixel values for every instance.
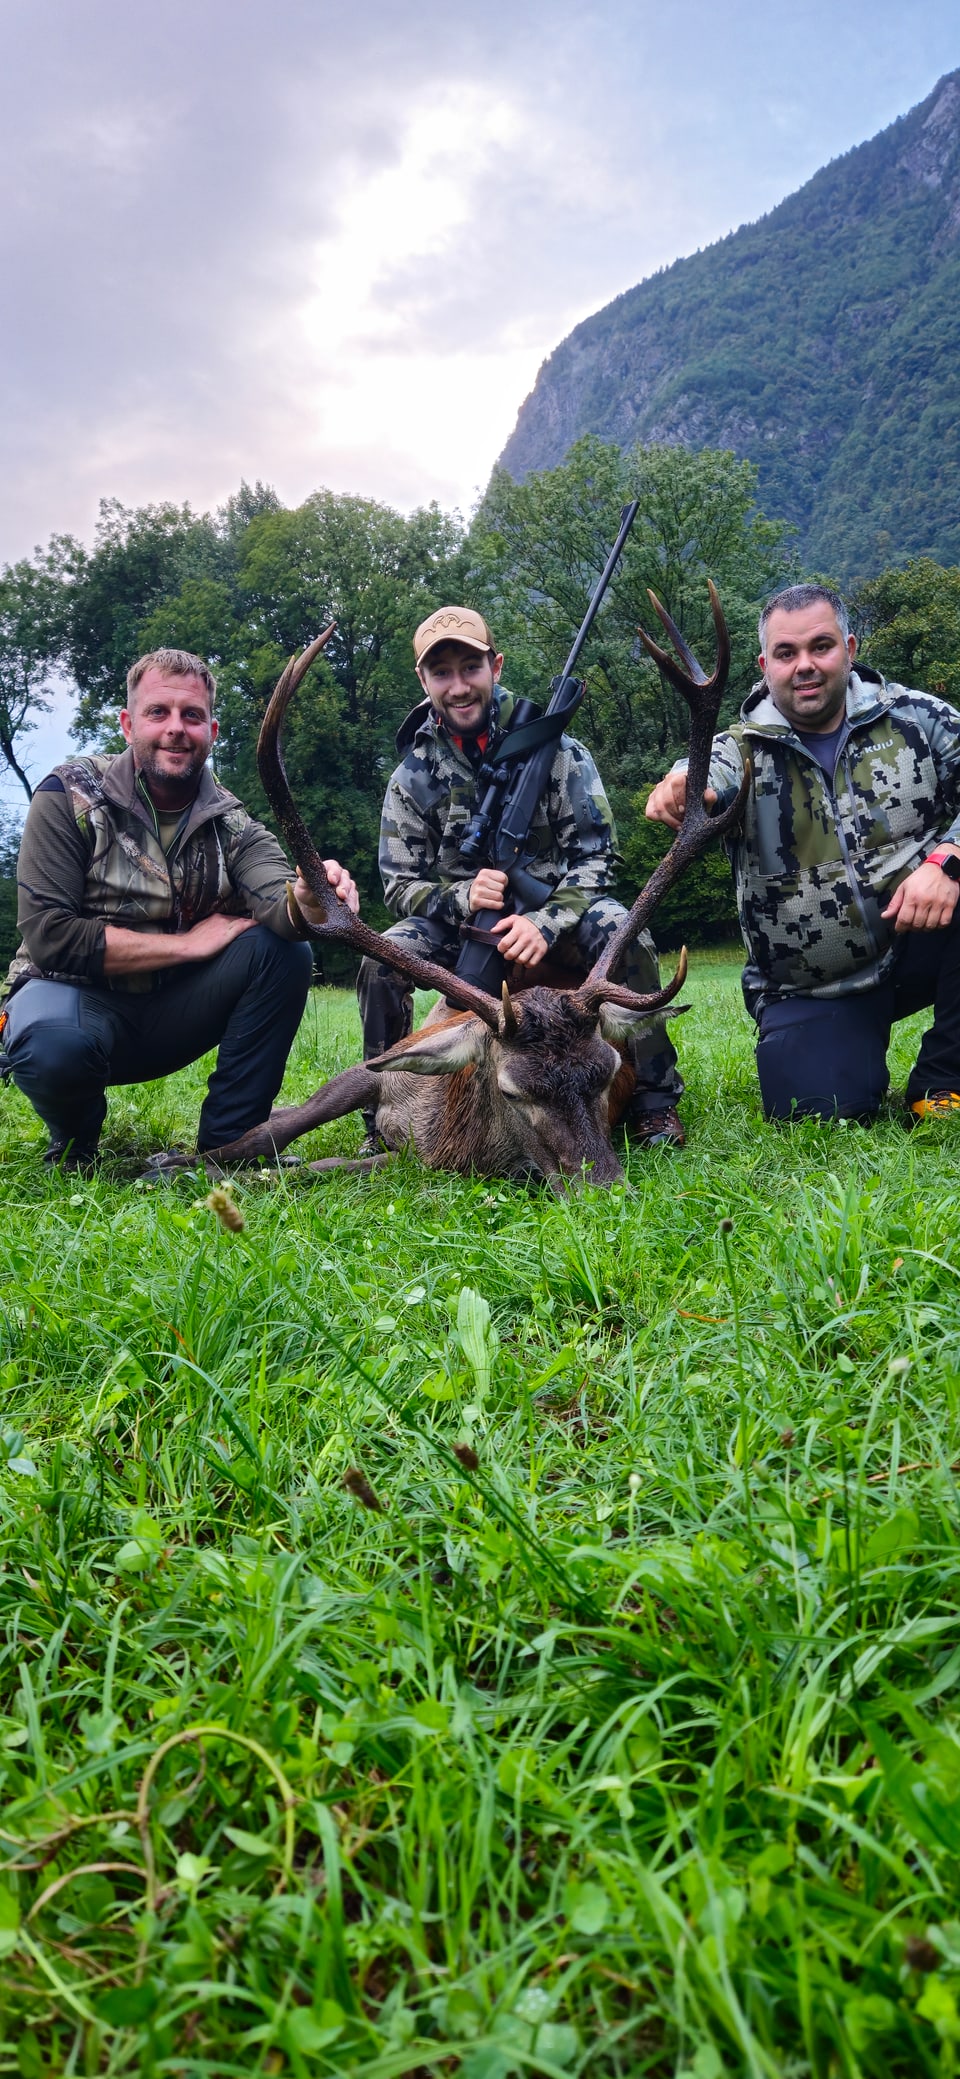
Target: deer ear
(617, 1023)
(437, 1050)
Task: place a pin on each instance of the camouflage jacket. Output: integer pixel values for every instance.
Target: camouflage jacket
(91, 855)
(815, 863)
(431, 798)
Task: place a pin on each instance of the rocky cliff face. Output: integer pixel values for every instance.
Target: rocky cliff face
(822, 343)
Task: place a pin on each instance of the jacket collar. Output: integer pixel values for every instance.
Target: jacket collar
(423, 724)
(119, 785)
(865, 698)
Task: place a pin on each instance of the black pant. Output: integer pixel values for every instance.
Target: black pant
(65, 1045)
(828, 1055)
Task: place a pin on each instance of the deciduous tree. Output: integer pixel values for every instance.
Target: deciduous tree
(913, 621)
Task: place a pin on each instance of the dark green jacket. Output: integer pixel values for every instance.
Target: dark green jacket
(91, 856)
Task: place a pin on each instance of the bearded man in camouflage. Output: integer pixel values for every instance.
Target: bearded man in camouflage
(847, 865)
(429, 802)
(155, 926)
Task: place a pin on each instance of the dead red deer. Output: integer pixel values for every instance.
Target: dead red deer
(527, 1086)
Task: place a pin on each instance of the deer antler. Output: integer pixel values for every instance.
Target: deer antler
(339, 922)
(698, 829)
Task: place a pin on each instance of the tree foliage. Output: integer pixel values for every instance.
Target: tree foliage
(9, 846)
(913, 621)
(30, 637)
(539, 547)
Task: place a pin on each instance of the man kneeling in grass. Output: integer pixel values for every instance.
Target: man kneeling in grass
(847, 864)
(155, 926)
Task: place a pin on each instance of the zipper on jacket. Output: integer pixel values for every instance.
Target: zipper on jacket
(173, 925)
(801, 751)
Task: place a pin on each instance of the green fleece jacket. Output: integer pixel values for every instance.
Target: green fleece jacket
(91, 855)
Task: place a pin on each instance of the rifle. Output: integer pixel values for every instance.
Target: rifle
(514, 777)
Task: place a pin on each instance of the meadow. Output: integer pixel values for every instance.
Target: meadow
(449, 1630)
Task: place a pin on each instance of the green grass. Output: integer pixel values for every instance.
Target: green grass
(632, 1750)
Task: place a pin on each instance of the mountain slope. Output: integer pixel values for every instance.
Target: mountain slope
(823, 343)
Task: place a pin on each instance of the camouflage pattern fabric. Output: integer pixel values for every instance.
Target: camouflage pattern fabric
(430, 800)
(814, 864)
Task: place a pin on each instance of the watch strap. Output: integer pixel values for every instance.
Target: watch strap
(947, 862)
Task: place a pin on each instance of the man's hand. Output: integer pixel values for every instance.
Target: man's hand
(142, 952)
(669, 799)
(926, 900)
(489, 890)
(211, 935)
(340, 881)
(520, 940)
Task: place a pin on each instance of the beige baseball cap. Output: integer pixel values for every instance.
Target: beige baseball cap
(452, 624)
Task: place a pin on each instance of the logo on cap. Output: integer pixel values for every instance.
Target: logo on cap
(452, 624)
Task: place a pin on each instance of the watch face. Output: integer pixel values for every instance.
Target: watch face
(951, 867)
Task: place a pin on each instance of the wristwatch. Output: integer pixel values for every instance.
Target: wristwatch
(947, 862)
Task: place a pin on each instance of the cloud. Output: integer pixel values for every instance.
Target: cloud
(319, 243)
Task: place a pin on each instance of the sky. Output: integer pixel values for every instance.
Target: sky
(322, 243)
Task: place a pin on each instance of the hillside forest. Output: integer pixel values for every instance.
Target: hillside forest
(820, 343)
(249, 584)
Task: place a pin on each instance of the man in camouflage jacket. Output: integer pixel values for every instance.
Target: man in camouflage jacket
(431, 798)
(846, 864)
(155, 926)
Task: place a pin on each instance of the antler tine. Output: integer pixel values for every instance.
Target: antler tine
(339, 922)
(694, 671)
(277, 787)
(698, 829)
(591, 994)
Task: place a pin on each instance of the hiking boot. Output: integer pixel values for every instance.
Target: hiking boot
(373, 1142)
(655, 1129)
(71, 1156)
(938, 1104)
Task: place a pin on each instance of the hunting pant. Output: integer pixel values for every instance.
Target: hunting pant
(827, 1056)
(386, 997)
(65, 1045)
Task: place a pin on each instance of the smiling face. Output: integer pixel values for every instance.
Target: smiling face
(807, 666)
(171, 732)
(459, 681)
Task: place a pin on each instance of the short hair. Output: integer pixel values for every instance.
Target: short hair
(794, 598)
(175, 664)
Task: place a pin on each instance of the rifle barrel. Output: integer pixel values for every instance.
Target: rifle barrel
(627, 517)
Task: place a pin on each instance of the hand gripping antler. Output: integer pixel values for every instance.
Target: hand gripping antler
(698, 829)
(338, 921)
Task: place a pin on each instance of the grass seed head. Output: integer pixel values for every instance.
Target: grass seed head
(229, 1215)
(357, 1484)
(921, 1954)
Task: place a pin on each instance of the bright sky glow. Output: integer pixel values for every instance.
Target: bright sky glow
(329, 245)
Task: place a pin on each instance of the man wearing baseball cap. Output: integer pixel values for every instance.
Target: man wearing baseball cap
(429, 802)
